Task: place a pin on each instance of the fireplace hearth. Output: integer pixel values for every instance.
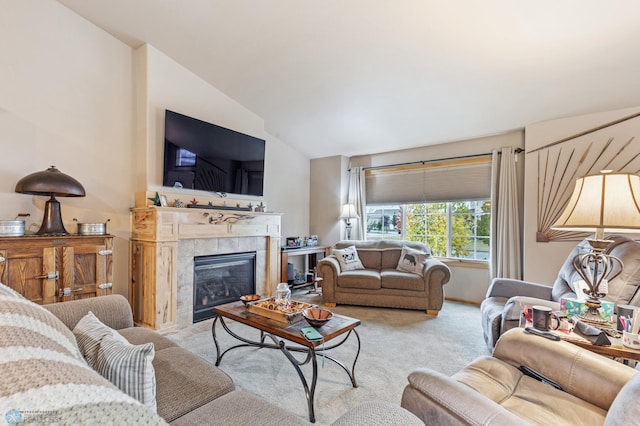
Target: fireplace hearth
(219, 279)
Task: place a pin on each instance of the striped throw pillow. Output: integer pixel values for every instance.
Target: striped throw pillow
(127, 366)
(46, 380)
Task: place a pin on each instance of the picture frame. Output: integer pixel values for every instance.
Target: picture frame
(163, 201)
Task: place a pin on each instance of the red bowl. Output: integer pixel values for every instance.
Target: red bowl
(317, 317)
(249, 298)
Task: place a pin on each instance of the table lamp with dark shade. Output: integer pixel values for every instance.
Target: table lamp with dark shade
(606, 202)
(51, 182)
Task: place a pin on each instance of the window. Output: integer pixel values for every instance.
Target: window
(457, 229)
(384, 223)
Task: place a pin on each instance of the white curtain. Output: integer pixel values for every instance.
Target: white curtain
(505, 254)
(357, 197)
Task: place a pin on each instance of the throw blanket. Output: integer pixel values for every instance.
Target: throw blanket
(44, 377)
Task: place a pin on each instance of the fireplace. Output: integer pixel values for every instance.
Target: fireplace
(165, 242)
(219, 279)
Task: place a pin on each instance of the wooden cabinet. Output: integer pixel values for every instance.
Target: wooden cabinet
(49, 269)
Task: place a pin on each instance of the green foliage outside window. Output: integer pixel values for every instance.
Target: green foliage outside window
(451, 229)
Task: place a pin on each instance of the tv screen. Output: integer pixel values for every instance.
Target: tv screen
(204, 156)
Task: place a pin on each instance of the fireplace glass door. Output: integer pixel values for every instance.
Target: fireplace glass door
(220, 279)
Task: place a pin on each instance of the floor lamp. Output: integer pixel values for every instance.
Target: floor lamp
(349, 213)
(606, 202)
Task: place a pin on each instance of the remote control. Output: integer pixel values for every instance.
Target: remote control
(544, 334)
(533, 373)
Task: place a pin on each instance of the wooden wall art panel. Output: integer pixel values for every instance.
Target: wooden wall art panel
(560, 163)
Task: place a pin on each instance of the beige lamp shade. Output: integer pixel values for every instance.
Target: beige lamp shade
(606, 202)
(349, 212)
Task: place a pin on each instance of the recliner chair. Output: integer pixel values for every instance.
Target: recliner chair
(494, 391)
(501, 309)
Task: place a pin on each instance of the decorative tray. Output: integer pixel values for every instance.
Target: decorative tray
(268, 308)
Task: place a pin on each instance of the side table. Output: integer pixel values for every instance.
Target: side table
(310, 260)
(616, 349)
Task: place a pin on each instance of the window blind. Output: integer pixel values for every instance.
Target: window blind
(457, 180)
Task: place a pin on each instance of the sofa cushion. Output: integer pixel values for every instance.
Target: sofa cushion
(399, 280)
(370, 258)
(43, 371)
(127, 366)
(363, 278)
(141, 335)
(113, 310)
(526, 397)
(239, 408)
(186, 381)
(348, 258)
(390, 258)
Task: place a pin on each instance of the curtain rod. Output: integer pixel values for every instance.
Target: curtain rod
(586, 132)
(410, 163)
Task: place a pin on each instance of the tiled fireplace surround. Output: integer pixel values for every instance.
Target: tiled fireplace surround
(188, 249)
(165, 241)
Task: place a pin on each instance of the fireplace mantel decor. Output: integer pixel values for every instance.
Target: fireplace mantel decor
(164, 241)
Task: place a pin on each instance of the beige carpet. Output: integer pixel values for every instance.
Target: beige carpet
(394, 343)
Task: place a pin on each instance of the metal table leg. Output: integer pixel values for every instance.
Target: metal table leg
(311, 356)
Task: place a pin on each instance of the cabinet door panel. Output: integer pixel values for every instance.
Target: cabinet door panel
(85, 270)
(23, 270)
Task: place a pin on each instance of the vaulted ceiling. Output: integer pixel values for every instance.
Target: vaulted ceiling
(350, 77)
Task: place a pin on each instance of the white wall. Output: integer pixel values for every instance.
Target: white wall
(165, 84)
(543, 259)
(69, 96)
(329, 182)
(66, 100)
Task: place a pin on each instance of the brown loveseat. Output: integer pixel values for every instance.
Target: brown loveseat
(45, 379)
(380, 283)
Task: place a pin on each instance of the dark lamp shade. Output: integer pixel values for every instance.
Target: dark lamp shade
(50, 182)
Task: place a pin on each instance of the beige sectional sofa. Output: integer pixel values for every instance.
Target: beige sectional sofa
(46, 380)
(380, 282)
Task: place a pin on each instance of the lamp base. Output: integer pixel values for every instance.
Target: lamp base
(592, 316)
(593, 319)
(348, 229)
(52, 220)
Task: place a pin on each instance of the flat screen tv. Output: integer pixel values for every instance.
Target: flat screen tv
(207, 157)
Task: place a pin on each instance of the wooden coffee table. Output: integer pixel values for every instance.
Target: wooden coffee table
(280, 334)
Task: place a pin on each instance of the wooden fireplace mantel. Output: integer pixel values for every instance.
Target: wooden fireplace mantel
(155, 233)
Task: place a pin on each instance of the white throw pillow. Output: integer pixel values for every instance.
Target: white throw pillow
(411, 260)
(127, 366)
(348, 258)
